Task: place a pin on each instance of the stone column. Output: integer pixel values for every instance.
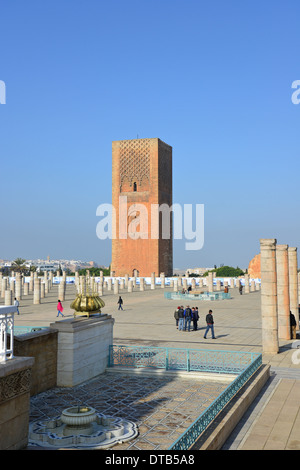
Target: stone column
(109, 283)
(100, 287)
(252, 286)
(184, 283)
(46, 282)
(218, 285)
(12, 287)
(43, 289)
(247, 286)
(3, 287)
(50, 280)
(130, 286)
(31, 282)
(26, 288)
(293, 282)
(36, 292)
(61, 290)
(162, 278)
(283, 295)
(116, 286)
(210, 284)
(175, 286)
(8, 298)
(126, 280)
(142, 284)
(152, 280)
(269, 296)
(18, 286)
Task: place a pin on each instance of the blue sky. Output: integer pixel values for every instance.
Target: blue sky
(211, 78)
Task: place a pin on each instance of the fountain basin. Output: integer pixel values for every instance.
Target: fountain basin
(81, 429)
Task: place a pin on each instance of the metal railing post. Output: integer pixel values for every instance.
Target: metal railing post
(167, 358)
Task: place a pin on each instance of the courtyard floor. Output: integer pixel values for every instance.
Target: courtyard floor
(163, 407)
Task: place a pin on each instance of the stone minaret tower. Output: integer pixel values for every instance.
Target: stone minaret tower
(142, 173)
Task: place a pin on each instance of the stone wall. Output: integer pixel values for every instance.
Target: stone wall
(15, 377)
(42, 345)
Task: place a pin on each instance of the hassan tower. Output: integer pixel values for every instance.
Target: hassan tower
(141, 189)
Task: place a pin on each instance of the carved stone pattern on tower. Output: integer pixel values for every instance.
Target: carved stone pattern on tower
(134, 161)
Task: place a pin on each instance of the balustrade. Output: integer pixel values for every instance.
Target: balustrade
(6, 328)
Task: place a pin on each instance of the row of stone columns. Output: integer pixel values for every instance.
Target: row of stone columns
(279, 292)
(115, 284)
(38, 286)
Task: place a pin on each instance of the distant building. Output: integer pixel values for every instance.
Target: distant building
(199, 271)
(47, 267)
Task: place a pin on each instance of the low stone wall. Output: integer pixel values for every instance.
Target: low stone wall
(42, 345)
(15, 378)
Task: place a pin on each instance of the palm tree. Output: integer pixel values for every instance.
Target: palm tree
(18, 265)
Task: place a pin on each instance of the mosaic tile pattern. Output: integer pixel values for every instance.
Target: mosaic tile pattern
(163, 408)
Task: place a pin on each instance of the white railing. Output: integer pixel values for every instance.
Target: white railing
(6, 327)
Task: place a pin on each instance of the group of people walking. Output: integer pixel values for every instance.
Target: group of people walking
(185, 317)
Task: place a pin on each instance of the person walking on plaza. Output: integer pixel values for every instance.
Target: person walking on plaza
(293, 325)
(16, 304)
(180, 318)
(241, 288)
(60, 309)
(210, 325)
(188, 318)
(120, 302)
(195, 318)
(176, 316)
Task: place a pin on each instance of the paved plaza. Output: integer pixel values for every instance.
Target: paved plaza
(162, 406)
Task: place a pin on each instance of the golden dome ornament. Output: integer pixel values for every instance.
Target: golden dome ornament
(87, 301)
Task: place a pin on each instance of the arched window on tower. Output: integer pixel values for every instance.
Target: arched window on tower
(134, 186)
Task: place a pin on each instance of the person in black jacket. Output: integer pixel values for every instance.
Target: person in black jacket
(120, 302)
(176, 316)
(210, 325)
(195, 316)
(293, 325)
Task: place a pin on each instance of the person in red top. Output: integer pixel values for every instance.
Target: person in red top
(60, 309)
